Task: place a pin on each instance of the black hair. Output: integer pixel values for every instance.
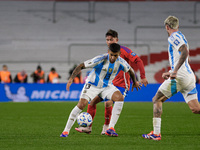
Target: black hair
(53, 69)
(39, 67)
(112, 33)
(4, 65)
(114, 47)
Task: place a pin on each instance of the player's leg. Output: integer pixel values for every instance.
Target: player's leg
(158, 100)
(194, 106)
(92, 106)
(73, 115)
(107, 114)
(191, 99)
(88, 92)
(165, 91)
(117, 108)
(108, 109)
(190, 95)
(92, 111)
(115, 95)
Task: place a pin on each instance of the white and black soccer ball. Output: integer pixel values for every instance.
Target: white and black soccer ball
(84, 119)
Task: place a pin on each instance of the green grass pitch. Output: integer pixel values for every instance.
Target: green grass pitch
(38, 125)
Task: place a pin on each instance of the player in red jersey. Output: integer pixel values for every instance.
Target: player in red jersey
(121, 81)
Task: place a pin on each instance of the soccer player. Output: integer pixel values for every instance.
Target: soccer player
(99, 82)
(121, 81)
(179, 78)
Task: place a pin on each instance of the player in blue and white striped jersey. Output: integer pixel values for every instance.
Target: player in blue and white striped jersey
(105, 68)
(179, 78)
(175, 41)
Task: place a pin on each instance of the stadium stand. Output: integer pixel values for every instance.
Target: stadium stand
(28, 37)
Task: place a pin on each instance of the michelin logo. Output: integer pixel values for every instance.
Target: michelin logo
(57, 95)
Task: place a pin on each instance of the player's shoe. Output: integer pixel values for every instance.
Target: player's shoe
(111, 132)
(87, 130)
(105, 127)
(64, 134)
(152, 136)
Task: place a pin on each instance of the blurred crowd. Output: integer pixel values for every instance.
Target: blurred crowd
(38, 76)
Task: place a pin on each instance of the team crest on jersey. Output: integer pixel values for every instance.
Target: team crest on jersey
(110, 70)
(133, 54)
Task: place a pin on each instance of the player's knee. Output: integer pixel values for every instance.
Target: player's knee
(154, 100)
(82, 103)
(117, 96)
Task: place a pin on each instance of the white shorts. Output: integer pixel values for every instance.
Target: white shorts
(186, 86)
(89, 92)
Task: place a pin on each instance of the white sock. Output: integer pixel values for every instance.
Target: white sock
(156, 125)
(72, 118)
(117, 108)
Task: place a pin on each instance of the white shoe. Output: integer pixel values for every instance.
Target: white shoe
(87, 130)
(105, 127)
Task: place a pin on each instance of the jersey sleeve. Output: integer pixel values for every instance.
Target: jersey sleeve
(176, 40)
(134, 60)
(129, 56)
(95, 61)
(124, 65)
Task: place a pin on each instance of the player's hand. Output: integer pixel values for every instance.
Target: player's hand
(136, 85)
(70, 81)
(166, 75)
(144, 82)
(173, 75)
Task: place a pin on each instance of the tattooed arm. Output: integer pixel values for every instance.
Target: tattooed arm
(184, 54)
(74, 74)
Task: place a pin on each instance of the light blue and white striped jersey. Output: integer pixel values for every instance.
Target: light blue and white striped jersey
(103, 71)
(175, 41)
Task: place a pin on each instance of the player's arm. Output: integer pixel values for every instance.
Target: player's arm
(183, 57)
(139, 63)
(136, 84)
(136, 63)
(74, 74)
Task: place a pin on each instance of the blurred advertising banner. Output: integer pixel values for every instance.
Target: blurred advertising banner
(57, 92)
(39, 92)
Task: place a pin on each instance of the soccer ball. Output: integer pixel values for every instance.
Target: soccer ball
(84, 119)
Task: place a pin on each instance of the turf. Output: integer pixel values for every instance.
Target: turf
(38, 125)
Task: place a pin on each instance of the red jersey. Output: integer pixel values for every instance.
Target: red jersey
(123, 79)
